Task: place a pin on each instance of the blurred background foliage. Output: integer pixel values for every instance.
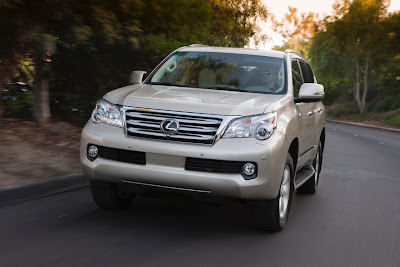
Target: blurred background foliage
(355, 54)
(74, 51)
(84, 48)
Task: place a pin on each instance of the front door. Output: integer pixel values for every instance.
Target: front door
(306, 117)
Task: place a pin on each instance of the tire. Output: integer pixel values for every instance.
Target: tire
(272, 214)
(107, 196)
(310, 187)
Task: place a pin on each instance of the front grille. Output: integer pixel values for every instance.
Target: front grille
(194, 128)
(129, 156)
(211, 165)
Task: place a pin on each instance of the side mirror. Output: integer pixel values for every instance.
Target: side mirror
(311, 91)
(137, 77)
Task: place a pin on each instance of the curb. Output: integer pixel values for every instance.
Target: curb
(42, 189)
(365, 125)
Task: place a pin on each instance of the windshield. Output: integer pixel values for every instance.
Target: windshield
(223, 71)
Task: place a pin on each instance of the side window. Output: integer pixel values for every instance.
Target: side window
(308, 75)
(296, 77)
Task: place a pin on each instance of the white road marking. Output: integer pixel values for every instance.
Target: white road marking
(61, 216)
(14, 208)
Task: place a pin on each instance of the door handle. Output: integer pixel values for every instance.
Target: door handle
(310, 113)
(318, 110)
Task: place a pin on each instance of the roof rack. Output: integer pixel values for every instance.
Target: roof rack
(192, 45)
(291, 51)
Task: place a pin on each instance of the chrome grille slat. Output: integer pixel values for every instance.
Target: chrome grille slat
(181, 120)
(189, 137)
(194, 128)
(182, 128)
(143, 124)
(190, 129)
(175, 113)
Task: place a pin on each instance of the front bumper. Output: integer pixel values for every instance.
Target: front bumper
(165, 163)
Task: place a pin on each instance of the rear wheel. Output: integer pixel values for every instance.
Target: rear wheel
(108, 197)
(273, 214)
(310, 187)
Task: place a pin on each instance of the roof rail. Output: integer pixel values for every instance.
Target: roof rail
(291, 51)
(192, 45)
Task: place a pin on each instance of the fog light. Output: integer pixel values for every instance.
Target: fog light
(93, 151)
(249, 169)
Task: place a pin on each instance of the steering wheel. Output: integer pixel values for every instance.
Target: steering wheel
(172, 66)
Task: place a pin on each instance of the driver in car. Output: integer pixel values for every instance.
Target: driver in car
(268, 79)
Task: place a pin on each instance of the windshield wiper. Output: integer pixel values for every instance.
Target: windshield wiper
(208, 87)
(166, 83)
(228, 89)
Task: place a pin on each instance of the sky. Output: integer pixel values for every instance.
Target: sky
(322, 7)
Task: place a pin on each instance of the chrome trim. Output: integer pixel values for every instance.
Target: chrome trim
(198, 137)
(201, 121)
(168, 187)
(165, 129)
(308, 150)
(200, 128)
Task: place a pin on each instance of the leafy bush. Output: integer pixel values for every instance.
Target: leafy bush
(345, 109)
(387, 103)
(73, 108)
(20, 106)
(393, 117)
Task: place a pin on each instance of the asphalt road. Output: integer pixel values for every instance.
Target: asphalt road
(353, 220)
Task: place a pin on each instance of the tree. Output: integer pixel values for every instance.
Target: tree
(387, 63)
(36, 30)
(349, 40)
(297, 30)
(234, 22)
(80, 49)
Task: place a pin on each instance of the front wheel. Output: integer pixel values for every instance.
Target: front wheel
(273, 214)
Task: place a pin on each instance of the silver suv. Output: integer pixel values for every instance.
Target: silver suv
(228, 122)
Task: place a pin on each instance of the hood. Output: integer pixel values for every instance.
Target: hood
(188, 99)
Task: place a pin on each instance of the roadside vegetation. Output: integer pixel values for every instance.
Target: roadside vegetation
(355, 54)
(73, 52)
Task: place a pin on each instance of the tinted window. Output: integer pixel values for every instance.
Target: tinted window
(222, 71)
(296, 77)
(308, 75)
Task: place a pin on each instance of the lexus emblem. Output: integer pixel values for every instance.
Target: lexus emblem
(169, 126)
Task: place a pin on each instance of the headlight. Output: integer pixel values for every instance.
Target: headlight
(260, 127)
(107, 113)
